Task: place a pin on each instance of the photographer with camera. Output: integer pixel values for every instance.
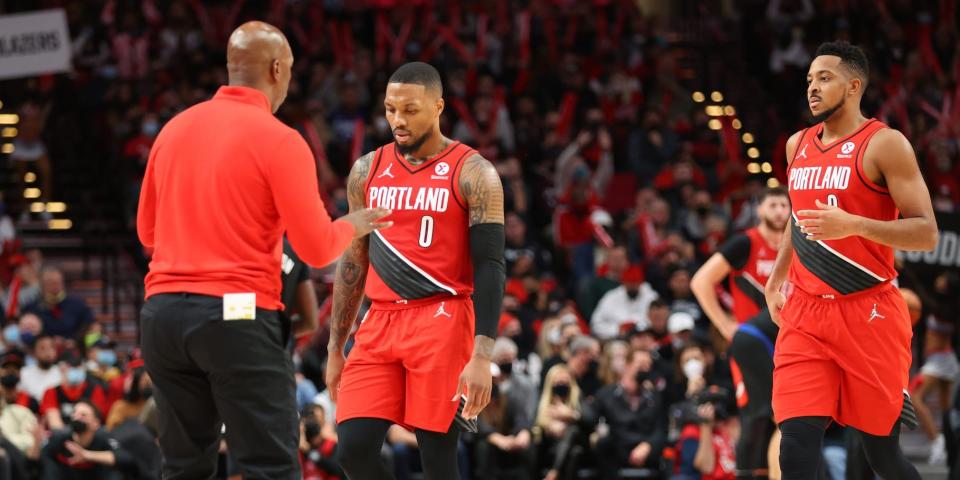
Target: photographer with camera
(318, 446)
(706, 448)
(634, 413)
(84, 450)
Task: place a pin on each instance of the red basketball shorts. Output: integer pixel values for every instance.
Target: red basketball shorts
(406, 362)
(846, 357)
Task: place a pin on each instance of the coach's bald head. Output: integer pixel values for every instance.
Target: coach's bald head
(259, 56)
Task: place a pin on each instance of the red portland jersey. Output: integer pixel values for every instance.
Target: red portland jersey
(747, 282)
(834, 174)
(426, 252)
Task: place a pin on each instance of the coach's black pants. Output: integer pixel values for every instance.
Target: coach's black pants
(207, 371)
(752, 349)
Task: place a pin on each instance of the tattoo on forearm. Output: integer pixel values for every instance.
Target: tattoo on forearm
(483, 347)
(352, 270)
(481, 188)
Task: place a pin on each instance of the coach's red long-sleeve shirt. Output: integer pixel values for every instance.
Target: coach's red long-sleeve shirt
(224, 179)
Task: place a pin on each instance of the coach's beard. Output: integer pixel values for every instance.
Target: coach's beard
(829, 112)
(413, 147)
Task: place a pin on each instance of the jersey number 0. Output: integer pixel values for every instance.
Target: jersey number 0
(426, 231)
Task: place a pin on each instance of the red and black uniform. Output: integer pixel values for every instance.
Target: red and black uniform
(844, 344)
(751, 350)
(418, 334)
(751, 260)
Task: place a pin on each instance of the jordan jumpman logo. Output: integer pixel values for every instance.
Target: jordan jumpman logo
(387, 172)
(874, 314)
(441, 311)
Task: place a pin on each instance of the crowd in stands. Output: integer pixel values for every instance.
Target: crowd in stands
(616, 189)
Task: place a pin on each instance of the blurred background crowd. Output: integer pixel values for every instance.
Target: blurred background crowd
(632, 138)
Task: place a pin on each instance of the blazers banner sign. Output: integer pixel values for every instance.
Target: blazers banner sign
(34, 43)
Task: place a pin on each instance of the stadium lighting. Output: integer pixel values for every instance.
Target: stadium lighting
(59, 224)
(748, 138)
(729, 111)
(29, 177)
(699, 97)
(736, 124)
(766, 167)
(56, 207)
(31, 192)
(714, 110)
(38, 207)
(9, 119)
(716, 96)
(7, 148)
(753, 152)
(9, 132)
(772, 182)
(753, 167)
(714, 124)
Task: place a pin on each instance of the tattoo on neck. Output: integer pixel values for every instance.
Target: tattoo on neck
(444, 143)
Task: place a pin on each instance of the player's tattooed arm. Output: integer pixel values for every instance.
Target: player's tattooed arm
(352, 269)
(481, 188)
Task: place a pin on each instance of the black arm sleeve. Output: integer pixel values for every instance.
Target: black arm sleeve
(736, 250)
(489, 276)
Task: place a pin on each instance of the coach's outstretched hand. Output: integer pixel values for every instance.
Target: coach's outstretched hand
(366, 220)
(475, 382)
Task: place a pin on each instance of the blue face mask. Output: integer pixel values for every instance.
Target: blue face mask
(76, 375)
(107, 358)
(27, 338)
(11, 334)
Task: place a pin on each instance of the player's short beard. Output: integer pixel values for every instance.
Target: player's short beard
(826, 114)
(414, 146)
(767, 222)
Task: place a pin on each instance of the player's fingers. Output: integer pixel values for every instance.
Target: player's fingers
(475, 401)
(823, 205)
(378, 226)
(377, 213)
(808, 213)
(460, 389)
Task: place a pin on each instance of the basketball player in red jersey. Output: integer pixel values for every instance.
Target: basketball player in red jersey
(424, 341)
(747, 260)
(843, 351)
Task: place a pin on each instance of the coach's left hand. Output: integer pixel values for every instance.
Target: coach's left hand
(475, 382)
(827, 223)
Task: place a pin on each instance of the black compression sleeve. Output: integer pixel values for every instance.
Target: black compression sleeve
(489, 275)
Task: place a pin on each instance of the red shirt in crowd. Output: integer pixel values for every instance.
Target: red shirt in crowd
(224, 179)
(55, 398)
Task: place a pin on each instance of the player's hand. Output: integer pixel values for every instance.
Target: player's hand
(827, 223)
(775, 300)
(475, 382)
(335, 361)
(367, 220)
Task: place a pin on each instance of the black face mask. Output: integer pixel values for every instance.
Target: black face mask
(10, 381)
(44, 364)
(642, 377)
(702, 210)
(561, 390)
(593, 367)
(78, 427)
(632, 294)
(506, 368)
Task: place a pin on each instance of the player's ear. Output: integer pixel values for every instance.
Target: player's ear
(440, 105)
(856, 86)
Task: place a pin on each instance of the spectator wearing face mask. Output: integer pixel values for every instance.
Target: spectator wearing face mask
(627, 303)
(10, 367)
(584, 365)
(137, 390)
(23, 333)
(102, 360)
(58, 402)
(514, 383)
(36, 379)
(62, 315)
(557, 417)
(18, 423)
(504, 448)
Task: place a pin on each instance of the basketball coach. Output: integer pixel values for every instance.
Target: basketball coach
(224, 180)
